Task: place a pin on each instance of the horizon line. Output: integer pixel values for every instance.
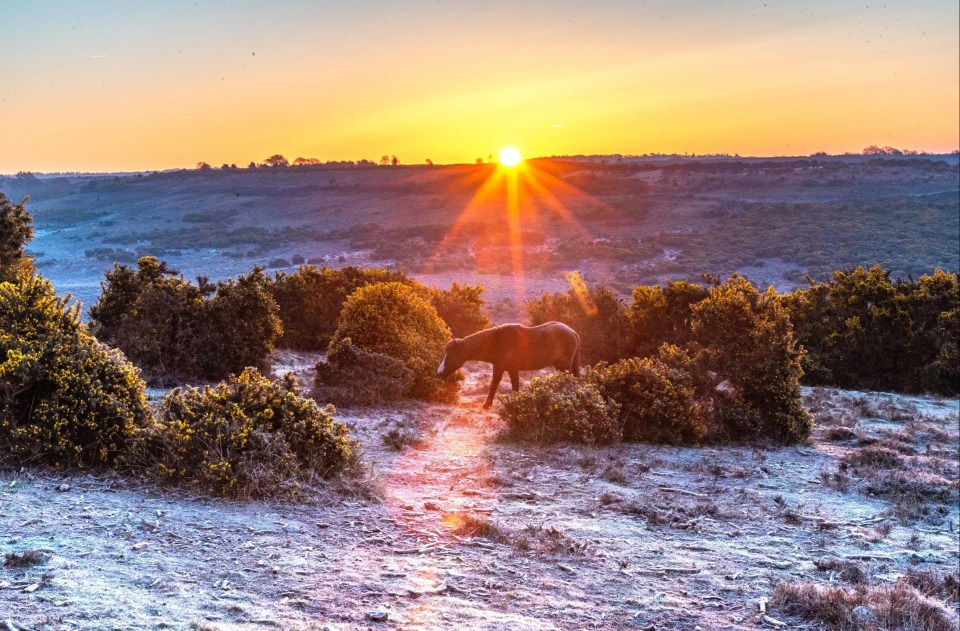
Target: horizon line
(366, 162)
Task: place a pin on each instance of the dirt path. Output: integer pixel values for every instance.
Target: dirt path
(470, 533)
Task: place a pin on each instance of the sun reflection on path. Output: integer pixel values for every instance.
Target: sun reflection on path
(436, 489)
(433, 486)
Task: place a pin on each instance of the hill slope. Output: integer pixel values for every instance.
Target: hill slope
(622, 223)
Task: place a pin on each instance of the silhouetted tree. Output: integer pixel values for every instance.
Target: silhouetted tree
(276, 160)
(394, 161)
(203, 166)
(384, 160)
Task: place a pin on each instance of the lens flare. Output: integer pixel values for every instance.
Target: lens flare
(510, 156)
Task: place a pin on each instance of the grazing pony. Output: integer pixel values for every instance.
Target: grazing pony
(512, 348)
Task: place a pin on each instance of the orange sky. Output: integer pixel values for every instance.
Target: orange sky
(130, 86)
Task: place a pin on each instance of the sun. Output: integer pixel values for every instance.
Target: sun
(510, 156)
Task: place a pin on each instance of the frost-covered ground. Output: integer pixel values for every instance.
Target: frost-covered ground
(472, 533)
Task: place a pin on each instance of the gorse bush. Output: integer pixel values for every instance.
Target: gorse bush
(310, 302)
(863, 329)
(461, 307)
(657, 403)
(247, 437)
(65, 398)
(560, 408)
(352, 376)
(661, 315)
(744, 336)
(737, 354)
(171, 327)
(16, 230)
(395, 320)
(596, 313)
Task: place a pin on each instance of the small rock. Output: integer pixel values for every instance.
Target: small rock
(31, 588)
(276, 569)
(377, 616)
(63, 488)
(431, 506)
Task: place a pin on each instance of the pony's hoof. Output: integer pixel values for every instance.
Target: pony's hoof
(487, 406)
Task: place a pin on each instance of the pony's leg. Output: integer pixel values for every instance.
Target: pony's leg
(494, 384)
(515, 379)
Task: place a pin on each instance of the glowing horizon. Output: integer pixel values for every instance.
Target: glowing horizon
(147, 87)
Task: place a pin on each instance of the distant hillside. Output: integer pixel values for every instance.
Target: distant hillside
(622, 222)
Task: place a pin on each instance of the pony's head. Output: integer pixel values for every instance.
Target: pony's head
(453, 358)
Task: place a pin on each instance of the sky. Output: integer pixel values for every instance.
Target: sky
(140, 85)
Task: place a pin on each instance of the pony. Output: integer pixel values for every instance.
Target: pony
(512, 348)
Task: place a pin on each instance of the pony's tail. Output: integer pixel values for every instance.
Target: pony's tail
(575, 364)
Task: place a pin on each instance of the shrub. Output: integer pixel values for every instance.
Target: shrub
(310, 300)
(560, 408)
(247, 436)
(461, 307)
(661, 315)
(240, 326)
(657, 403)
(597, 314)
(395, 320)
(169, 326)
(352, 376)
(16, 230)
(745, 338)
(864, 330)
(65, 398)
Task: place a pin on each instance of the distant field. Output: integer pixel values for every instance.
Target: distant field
(621, 223)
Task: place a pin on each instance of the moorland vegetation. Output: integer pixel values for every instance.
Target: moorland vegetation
(681, 363)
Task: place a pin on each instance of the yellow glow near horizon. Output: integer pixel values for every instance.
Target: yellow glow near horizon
(510, 156)
(106, 89)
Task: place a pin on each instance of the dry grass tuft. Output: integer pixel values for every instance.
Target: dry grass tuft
(398, 438)
(614, 473)
(27, 558)
(847, 571)
(651, 515)
(839, 480)
(901, 442)
(469, 525)
(940, 585)
(874, 457)
(841, 433)
(553, 541)
(607, 498)
(911, 485)
(836, 417)
(898, 606)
